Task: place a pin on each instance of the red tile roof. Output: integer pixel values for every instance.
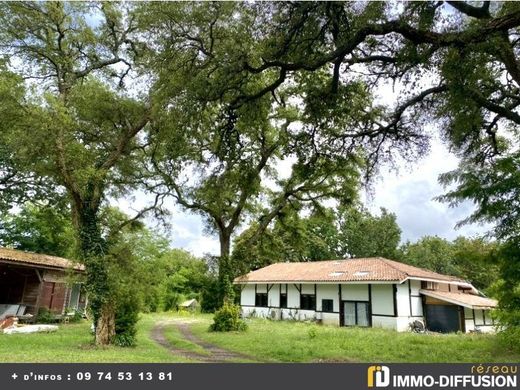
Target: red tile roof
(35, 259)
(467, 300)
(351, 270)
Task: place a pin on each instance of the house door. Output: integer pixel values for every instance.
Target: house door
(356, 313)
(443, 318)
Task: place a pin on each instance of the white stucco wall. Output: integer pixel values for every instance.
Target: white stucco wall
(416, 300)
(261, 312)
(403, 300)
(247, 296)
(327, 291)
(330, 318)
(382, 299)
(354, 292)
(293, 296)
(384, 322)
(274, 296)
(415, 286)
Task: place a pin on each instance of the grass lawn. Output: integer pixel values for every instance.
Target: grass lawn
(73, 343)
(266, 340)
(301, 342)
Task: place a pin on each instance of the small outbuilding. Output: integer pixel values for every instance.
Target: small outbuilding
(31, 281)
(190, 305)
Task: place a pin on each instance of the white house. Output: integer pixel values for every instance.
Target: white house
(373, 292)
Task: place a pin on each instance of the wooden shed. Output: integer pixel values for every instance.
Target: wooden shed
(190, 305)
(30, 281)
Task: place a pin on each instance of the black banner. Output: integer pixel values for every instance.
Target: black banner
(259, 376)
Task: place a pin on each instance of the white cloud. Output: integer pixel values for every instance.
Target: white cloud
(410, 193)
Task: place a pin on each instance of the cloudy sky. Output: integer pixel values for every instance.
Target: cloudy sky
(410, 194)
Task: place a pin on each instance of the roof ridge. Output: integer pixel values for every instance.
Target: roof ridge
(389, 263)
(414, 266)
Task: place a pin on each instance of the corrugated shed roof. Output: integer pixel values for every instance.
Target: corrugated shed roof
(350, 270)
(467, 300)
(36, 259)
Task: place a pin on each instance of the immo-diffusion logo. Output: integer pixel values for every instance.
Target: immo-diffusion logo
(497, 376)
(378, 376)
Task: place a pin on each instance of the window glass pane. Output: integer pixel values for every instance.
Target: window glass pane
(362, 314)
(307, 302)
(327, 305)
(350, 313)
(283, 300)
(261, 300)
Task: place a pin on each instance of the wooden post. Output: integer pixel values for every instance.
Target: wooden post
(40, 288)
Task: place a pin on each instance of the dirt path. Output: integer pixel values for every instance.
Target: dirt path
(215, 354)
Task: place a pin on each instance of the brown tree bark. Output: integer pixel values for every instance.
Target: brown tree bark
(106, 325)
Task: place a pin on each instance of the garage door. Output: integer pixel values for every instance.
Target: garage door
(442, 318)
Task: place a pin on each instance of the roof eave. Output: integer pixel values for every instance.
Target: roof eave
(22, 263)
(318, 281)
(456, 302)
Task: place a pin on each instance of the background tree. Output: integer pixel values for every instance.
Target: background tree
(326, 234)
(477, 260)
(472, 259)
(40, 229)
(364, 234)
(431, 252)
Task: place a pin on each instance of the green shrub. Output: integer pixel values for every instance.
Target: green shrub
(76, 317)
(127, 315)
(44, 316)
(510, 338)
(227, 319)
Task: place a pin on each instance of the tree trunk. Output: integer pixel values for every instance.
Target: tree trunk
(224, 268)
(106, 325)
(92, 251)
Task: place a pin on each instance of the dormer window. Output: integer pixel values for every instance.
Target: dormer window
(426, 285)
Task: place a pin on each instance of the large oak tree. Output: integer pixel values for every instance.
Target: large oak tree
(75, 126)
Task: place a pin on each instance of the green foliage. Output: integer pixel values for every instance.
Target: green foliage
(82, 129)
(494, 190)
(289, 341)
(472, 259)
(227, 319)
(76, 317)
(507, 290)
(367, 235)
(45, 316)
(477, 260)
(38, 228)
(210, 301)
(429, 252)
(323, 235)
(127, 315)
